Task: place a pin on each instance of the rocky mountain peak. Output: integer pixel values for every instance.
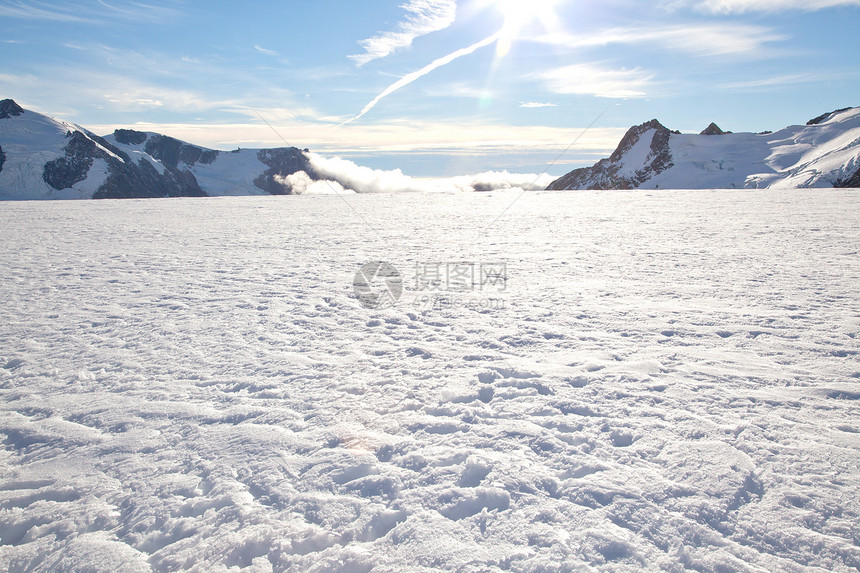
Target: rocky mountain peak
(713, 129)
(616, 172)
(8, 108)
(633, 135)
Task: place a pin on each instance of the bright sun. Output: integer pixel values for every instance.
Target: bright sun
(521, 13)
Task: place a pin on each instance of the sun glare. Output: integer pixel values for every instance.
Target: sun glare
(521, 13)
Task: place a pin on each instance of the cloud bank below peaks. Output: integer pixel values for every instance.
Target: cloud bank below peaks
(343, 176)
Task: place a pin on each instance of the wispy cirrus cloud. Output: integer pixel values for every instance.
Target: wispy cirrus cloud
(773, 82)
(596, 80)
(88, 12)
(741, 6)
(730, 39)
(265, 51)
(423, 17)
(133, 95)
(39, 11)
(18, 80)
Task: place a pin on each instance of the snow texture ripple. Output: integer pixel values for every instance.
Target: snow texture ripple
(673, 384)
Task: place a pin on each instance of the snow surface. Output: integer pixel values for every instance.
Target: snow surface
(672, 384)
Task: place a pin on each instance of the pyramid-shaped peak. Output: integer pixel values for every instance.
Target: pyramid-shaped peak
(713, 129)
(8, 108)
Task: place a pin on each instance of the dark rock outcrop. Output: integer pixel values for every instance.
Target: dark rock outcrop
(111, 148)
(606, 173)
(852, 182)
(8, 108)
(165, 149)
(281, 162)
(125, 179)
(63, 172)
(713, 129)
(192, 154)
(2, 158)
(172, 151)
(144, 181)
(825, 116)
(129, 136)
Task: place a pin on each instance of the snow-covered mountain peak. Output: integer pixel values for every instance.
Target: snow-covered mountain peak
(642, 153)
(45, 158)
(823, 153)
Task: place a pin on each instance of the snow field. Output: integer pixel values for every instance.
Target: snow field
(672, 384)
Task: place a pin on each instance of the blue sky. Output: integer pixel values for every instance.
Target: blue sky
(447, 87)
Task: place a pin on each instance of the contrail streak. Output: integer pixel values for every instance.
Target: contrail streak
(409, 78)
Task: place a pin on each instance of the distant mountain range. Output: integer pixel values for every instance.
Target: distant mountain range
(823, 153)
(45, 158)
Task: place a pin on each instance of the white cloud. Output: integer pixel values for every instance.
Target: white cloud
(366, 180)
(536, 105)
(423, 17)
(265, 51)
(591, 79)
(127, 97)
(741, 6)
(701, 40)
(130, 81)
(300, 183)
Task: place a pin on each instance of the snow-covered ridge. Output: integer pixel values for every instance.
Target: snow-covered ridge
(823, 153)
(45, 158)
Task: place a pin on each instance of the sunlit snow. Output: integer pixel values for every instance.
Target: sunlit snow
(665, 381)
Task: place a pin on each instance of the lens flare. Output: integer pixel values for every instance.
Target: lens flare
(519, 14)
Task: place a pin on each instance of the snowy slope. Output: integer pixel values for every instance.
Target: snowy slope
(824, 153)
(44, 158)
(29, 141)
(673, 384)
(218, 173)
